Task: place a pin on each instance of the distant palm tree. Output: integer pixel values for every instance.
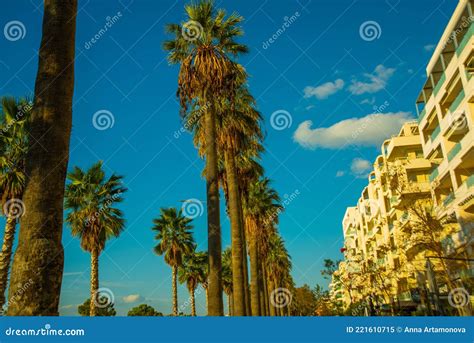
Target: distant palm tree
(39, 257)
(175, 241)
(13, 148)
(227, 278)
(191, 272)
(90, 198)
(261, 210)
(201, 47)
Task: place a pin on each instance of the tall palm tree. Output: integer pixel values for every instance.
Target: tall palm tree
(262, 206)
(190, 272)
(201, 46)
(227, 282)
(13, 148)
(39, 258)
(175, 241)
(90, 198)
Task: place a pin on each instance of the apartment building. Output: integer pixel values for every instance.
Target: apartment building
(430, 161)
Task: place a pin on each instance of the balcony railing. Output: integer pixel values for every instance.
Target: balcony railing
(470, 181)
(448, 199)
(464, 41)
(457, 101)
(454, 151)
(434, 175)
(435, 133)
(439, 84)
(422, 115)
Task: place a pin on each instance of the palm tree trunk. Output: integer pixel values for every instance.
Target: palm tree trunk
(175, 290)
(265, 290)
(94, 282)
(230, 302)
(6, 256)
(236, 233)
(193, 303)
(248, 307)
(215, 304)
(39, 258)
(254, 287)
(272, 307)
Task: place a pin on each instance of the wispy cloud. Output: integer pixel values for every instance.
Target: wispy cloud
(429, 47)
(340, 173)
(132, 298)
(325, 90)
(376, 81)
(370, 130)
(360, 167)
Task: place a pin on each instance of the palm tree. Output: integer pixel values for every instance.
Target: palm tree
(201, 47)
(261, 208)
(39, 258)
(175, 241)
(13, 147)
(191, 273)
(90, 198)
(227, 282)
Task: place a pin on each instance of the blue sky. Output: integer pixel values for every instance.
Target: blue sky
(321, 68)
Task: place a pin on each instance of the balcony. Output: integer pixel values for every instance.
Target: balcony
(456, 102)
(434, 174)
(454, 151)
(449, 199)
(439, 84)
(422, 115)
(435, 133)
(466, 39)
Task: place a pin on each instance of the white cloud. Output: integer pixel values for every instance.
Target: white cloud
(370, 130)
(429, 47)
(325, 90)
(376, 81)
(368, 101)
(132, 298)
(360, 167)
(340, 173)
